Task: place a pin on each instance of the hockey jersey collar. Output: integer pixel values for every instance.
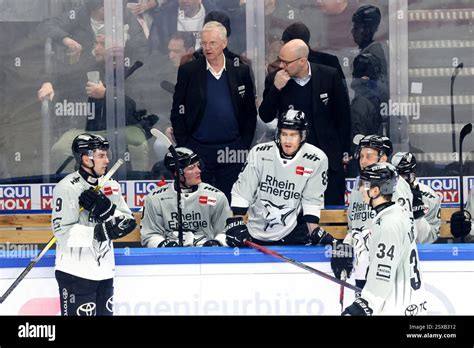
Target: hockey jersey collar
(87, 177)
(382, 206)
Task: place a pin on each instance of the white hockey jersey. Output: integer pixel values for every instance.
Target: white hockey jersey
(204, 215)
(394, 280)
(275, 190)
(77, 252)
(359, 222)
(427, 227)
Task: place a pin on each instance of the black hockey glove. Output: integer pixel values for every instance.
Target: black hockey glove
(236, 232)
(320, 236)
(212, 243)
(417, 205)
(342, 259)
(460, 224)
(116, 227)
(167, 243)
(360, 307)
(97, 203)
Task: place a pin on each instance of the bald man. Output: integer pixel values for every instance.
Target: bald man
(318, 91)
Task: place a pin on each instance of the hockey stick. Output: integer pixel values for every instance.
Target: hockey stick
(341, 291)
(164, 140)
(453, 121)
(301, 265)
(53, 240)
(467, 129)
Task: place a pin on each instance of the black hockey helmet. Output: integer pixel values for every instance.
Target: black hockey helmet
(293, 119)
(86, 144)
(367, 15)
(366, 64)
(186, 157)
(405, 162)
(380, 143)
(383, 175)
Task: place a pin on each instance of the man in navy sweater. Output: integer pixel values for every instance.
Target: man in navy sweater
(318, 91)
(214, 111)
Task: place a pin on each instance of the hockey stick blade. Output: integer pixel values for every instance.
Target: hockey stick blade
(456, 71)
(161, 137)
(465, 131)
(301, 265)
(53, 239)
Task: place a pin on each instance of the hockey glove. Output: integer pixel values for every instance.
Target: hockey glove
(320, 236)
(460, 224)
(236, 232)
(97, 203)
(167, 243)
(342, 259)
(116, 227)
(212, 243)
(417, 204)
(360, 307)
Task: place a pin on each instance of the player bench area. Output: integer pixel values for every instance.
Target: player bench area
(36, 228)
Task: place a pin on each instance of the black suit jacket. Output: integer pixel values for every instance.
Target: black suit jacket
(190, 97)
(331, 120)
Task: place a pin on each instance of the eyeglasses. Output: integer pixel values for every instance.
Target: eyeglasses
(212, 44)
(287, 62)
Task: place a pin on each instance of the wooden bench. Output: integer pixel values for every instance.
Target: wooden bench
(36, 228)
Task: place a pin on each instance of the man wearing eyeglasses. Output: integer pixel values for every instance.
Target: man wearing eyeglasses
(214, 112)
(318, 91)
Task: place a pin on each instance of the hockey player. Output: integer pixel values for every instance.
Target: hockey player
(370, 149)
(426, 203)
(282, 188)
(394, 283)
(85, 261)
(204, 208)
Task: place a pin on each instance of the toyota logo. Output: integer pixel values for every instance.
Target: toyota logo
(86, 309)
(411, 310)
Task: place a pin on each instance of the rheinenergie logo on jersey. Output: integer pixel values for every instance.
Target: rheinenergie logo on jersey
(191, 221)
(279, 188)
(15, 197)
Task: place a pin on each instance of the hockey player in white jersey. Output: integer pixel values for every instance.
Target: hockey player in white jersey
(281, 186)
(204, 208)
(426, 204)
(394, 281)
(85, 263)
(370, 149)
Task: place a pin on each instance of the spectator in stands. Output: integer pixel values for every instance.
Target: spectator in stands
(318, 91)
(181, 15)
(214, 109)
(95, 111)
(205, 208)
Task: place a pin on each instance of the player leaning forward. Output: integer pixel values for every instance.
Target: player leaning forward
(204, 208)
(282, 188)
(394, 282)
(85, 261)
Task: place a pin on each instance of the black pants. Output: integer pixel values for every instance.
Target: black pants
(222, 163)
(299, 236)
(336, 189)
(85, 297)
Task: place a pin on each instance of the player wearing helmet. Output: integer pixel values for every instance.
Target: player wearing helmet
(394, 283)
(426, 203)
(282, 188)
(370, 149)
(85, 256)
(204, 208)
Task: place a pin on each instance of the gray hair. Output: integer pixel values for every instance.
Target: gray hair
(209, 26)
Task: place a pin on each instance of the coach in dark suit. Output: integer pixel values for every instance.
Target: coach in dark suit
(318, 91)
(214, 110)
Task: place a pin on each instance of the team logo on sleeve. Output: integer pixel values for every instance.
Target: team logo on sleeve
(276, 214)
(207, 200)
(300, 170)
(109, 191)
